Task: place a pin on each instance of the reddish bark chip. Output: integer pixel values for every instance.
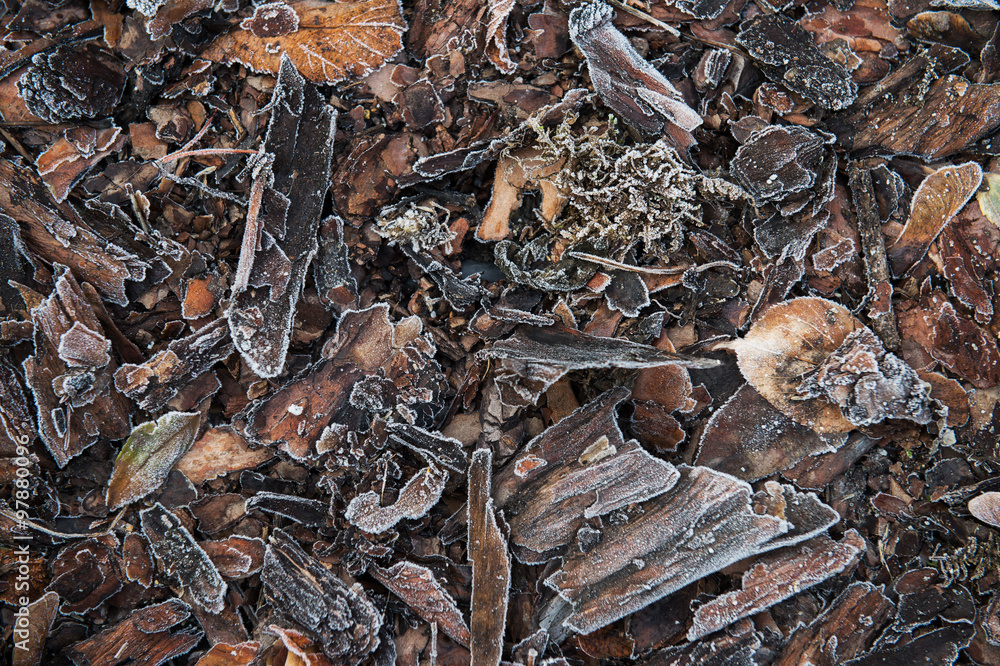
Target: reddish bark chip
(490, 566)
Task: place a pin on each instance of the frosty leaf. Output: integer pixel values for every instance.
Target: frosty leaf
(940, 646)
(31, 643)
(300, 137)
(496, 35)
(342, 621)
(938, 199)
(415, 499)
(787, 55)
(79, 81)
(328, 42)
(148, 456)
(724, 650)
(986, 507)
(801, 357)
(490, 565)
(989, 198)
(750, 439)
(843, 631)
(417, 586)
(702, 524)
(777, 576)
(180, 557)
(627, 83)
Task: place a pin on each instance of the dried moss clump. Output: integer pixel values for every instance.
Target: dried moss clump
(617, 195)
(417, 224)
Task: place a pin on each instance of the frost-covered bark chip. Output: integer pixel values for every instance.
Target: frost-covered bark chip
(341, 620)
(628, 84)
(72, 82)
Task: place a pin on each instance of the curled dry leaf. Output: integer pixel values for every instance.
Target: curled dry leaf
(327, 41)
(816, 363)
(415, 499)
(938, 199)
(417, 586)
(628, 84)
(986, 507)
(148, 456)
(496, 35)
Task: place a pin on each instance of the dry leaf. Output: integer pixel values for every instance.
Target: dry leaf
(938, 199)
(989, 198)
(148, 456)
(496, 35)
(816, 363)
(417, 586)
(333, 40)
(986, 507)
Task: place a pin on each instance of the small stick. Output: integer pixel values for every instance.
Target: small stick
(873, 251)
(638, 13)
(252, 229)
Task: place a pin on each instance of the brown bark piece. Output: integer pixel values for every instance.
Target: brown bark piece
(490, 566)
(70, 374)
(417, 586)
(142, 638)
(750, 439)
(897, 124)
(300, 137)
(578, 469)
(342, 621)
(841, 633)
(777, 576)
(640, 561)
(153, 383)
(180, 557)
(875, 259)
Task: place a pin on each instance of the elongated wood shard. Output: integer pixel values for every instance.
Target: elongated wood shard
(300, 139)
(490, 565)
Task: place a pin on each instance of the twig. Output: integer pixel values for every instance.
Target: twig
(638, 13)
(6, 512)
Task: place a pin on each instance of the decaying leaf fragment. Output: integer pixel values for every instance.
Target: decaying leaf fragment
(787, 55)
(70, 373)
(534, 358)
(777, 576)
(490, 565)
(778, 161)
(417, 586)
(300, 138)
(416, 498)
(816, 363)
(217, 452)
(148, 456)
(341, 620)
(577, 469)
(153, 383)
(939, 198)
(180, 557)
(327, 42)
(85, 574)
(628, 84)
